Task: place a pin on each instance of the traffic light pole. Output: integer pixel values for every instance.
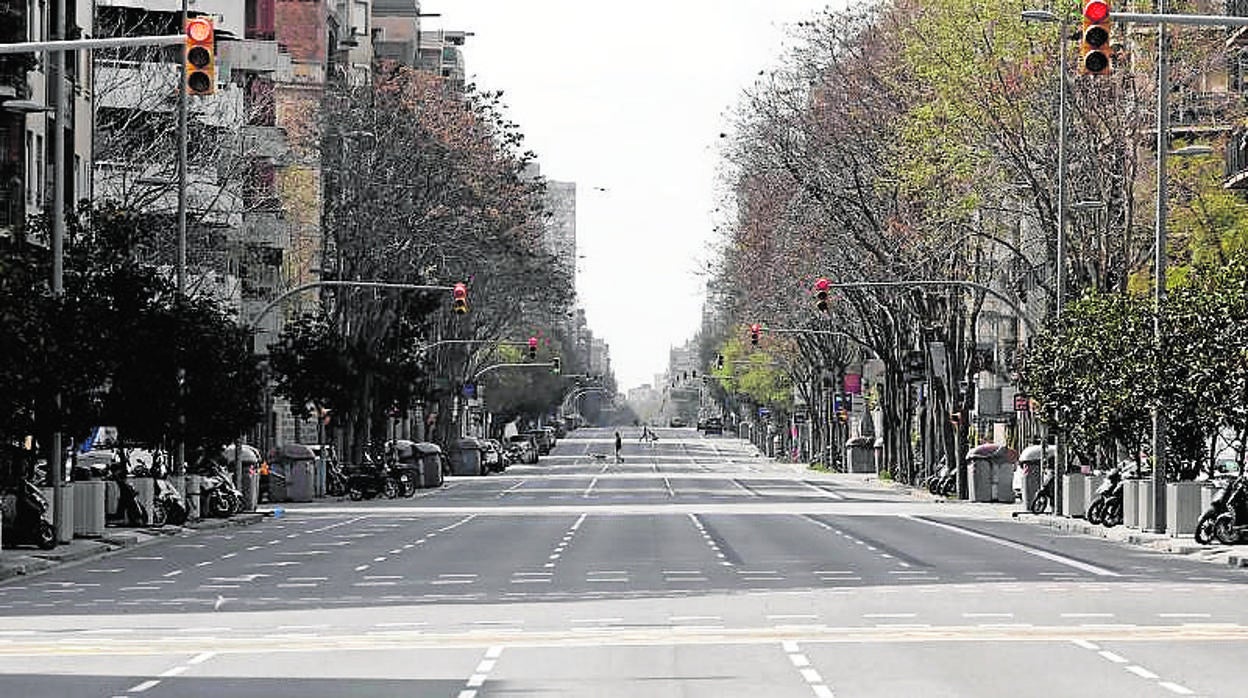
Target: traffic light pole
(179, 461)
(255, 320)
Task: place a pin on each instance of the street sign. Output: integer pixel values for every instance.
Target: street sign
(799, 418)
(1022, 402)
(469, 390)
(763, 411)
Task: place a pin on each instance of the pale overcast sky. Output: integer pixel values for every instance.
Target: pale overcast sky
(630, 97)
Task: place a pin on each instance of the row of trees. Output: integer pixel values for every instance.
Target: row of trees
(422, 184)
(120, 346)
(428, 186)
(932, 156)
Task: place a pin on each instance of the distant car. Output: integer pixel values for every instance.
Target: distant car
(561, 430)
(701, 424)
(553, 434)
(713, 425)
(677, 423)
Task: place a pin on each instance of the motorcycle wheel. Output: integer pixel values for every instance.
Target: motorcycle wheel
(390, 489)
(218, 505)
(409, 486)
(355, 493)
(1040, 503)
(177, 515)
(334, 487)
(932, 483)
(159, 514)
(1224, 530)
(1096, 512)
(47, 536)
(1205, 529)
(1113, 514)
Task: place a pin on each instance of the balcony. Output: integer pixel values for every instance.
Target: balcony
(265, 142)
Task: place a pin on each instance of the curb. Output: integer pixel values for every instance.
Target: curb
(112, 542)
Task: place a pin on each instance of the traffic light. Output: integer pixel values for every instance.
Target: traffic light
(532, 348)
(821, 294)
(201, 65)
(558, 365)
(1094, 49)
(719, 362)
(695, 374)
(754, 330)
(459, 305)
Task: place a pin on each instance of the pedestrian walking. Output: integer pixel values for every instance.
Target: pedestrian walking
(619, 443)
(645, 434)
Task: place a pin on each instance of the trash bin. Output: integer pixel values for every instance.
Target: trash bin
(89, 508)
(429, 464)
(278, 477)
(986, 466)
(1031, 462)
(299, 467)
(859, 456)
(466, 457)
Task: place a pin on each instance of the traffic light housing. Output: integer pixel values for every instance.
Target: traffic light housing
(755, 329)
(821, 294)
(1094, 45)
(719, 362)
(532, 348)
(558, 365)
(459, 304)
(200, 57)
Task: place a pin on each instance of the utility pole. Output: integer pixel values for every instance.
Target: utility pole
(179, 461)
(57, 60)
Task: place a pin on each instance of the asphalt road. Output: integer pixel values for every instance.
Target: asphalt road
(692, 568)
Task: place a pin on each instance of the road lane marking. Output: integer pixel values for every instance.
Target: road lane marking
(590, 488)
(1175, 688)
(1115, 658)
(1052, 557)
(1141, 672)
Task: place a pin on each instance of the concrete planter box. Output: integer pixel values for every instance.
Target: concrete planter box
(1131, 503)
(1093, 483)
(1183, 507)
(1146, 515)
(1073, 488)
(89, 509)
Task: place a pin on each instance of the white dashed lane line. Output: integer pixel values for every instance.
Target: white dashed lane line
(802, 663)
(1135, 669)
(482, 673)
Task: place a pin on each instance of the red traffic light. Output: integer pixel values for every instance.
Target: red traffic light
(532, 342)
(822, 285)
(460, 292)
(1096, 10)
(460, 303)
(755, 328)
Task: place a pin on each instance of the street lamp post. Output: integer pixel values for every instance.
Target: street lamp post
(1059, 267)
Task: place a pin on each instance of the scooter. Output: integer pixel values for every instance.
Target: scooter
(1045, 496)
(335, 479)
(945, 482)
(168, 506)
(1106, 508)
(22, 509)
(1227, 516)
(370, 480)
(221, 498)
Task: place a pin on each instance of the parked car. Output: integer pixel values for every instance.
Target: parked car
(544, 440)
(552, 434)
(713, 425)
(677, 423)
(561, 430)
(523, 448)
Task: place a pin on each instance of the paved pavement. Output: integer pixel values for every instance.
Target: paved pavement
(692, 568)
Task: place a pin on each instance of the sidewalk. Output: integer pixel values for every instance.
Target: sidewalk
(1234, 556)
(29, 560)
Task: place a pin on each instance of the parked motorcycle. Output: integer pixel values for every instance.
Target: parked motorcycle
(168, 506)
(23, 508)
(1045, 495)
(335, 479)
(371, 480)
(221, 497)
(1226, 519)
(944, 482)
(1106, 507)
